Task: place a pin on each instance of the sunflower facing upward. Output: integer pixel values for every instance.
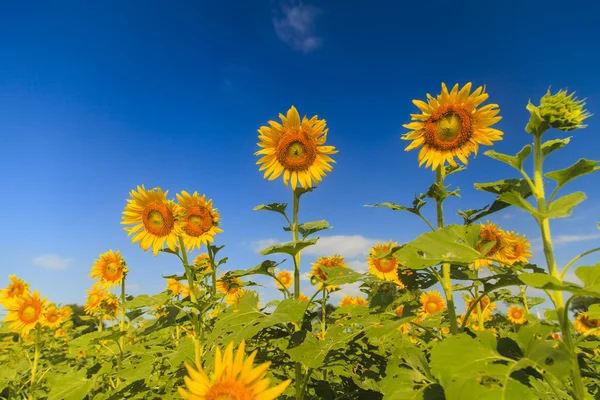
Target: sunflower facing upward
(234, 377)
(109, 268)
(452, 126)
(295, 149)
(25, 312)
(200, 219)
(154, 219)
(516, 315)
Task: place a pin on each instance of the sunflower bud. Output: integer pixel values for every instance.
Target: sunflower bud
(563, 111)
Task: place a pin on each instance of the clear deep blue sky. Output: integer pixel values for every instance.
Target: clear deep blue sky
(98, 97)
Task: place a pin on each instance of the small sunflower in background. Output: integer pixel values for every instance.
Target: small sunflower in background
(452, 126)
(95, 296)
(109, 269)
(25, 312)
(233, 292)
(174, 286)
(285, 280)
(233, 378)
(384, 268)
(15, 289)
(155, 219)
(202, 263)
(200, 221)
(295, 148)
(583, 324)
(516, 249)
(51, 317)
(516, 315)
(431, 302)
(318, 276)
(487, 307)
(490, 233)
(351, 300)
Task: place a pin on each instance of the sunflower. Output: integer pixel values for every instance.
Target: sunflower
(583, 324)
(185, 290)
(233, 378)
(295, 149)
(490, 233)
(15, 289)
(516, 315)
(174, 286)
(25, 312)
(65, 313)
(94, 299)
(61, 332)
(303, 297)
(355, 301)
(229, 287)
(155, 220)
(110, 307)
(317, 275)
(51, 317)
(200, 220)
(486, 308)
(384, 268)
(399, 310)
(462, 322)
(432, 302)
(516, 249)
(202, 263)
(285, 280)
(452, 126)
(110, 269)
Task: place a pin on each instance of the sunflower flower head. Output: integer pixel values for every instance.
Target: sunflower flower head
(15, 289)
(563, 111)
(155, 220)
(385, 268)
(51, 317)
(65, 312)
(516, 315)
(354, 301)
(284, 280)
(295, 148)
(583, 324)
(95, 296)
(202, 263)
(200, 220)
(317, 275)
(234, 377)
(109, 307)
(25, 312)
(109, 269)
(487, 307)
(431, 302)
(490, 233)
(452, 126)
(174, 286)
(303, 297)
(516, 249)
(232, 289)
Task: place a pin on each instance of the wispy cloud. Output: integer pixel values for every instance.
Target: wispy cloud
(348, 246)
(564, 239)
(295, 25)
(52, 261)
(261, 244)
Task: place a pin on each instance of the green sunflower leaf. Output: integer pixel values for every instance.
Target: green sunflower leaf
(308, 228)
(563, 206)
(515, 161)
(552, 145)
(291, 248)
(594, 311)
(275, 207)
(581, 167)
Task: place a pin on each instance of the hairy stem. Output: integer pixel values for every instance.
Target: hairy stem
(295, 209)
(190, 278)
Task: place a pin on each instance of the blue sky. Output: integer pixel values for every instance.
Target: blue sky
(97, 98)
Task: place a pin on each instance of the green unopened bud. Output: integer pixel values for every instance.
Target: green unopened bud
(563, 111)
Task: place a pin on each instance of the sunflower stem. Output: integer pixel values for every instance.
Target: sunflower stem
(447, 281)
(211, 259)
(524, 295)
(295, 209)
(36, 357)
(578, 390)
(122, 322)
(479, 310)
(190, 278)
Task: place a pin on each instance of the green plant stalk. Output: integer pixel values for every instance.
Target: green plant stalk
(100, 324)
(479, 310)
(36, 356)
(190, 278)
(557, 296)
(211, 259)
(122, 322)
(524, 295)
(324, 311)
(295, 209)
(447, 281)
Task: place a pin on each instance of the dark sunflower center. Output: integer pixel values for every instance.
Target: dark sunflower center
(517, 314)
(386, 264)
(158, 219)
(29, 313)
(296, 151)
(199, 221)
(449, 128)
(52, 317)
(112, 269)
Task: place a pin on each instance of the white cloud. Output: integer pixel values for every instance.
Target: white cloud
(52, 261)
(349, 246)
(563, 239)
(261, 244)
(295, 25)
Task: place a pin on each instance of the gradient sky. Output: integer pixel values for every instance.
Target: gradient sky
(99, 97)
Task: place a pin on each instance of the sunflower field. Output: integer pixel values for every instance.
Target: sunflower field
(208, 336)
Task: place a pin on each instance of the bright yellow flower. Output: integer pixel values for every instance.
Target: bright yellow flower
(110, 307)
(15, 289)
(583, 323)
(174, 286)
(233, 292)
(65, 313)
(462, 322)
(384, 268)
(400, 310)
(25, 312)
(490, 233)
(487, 307)
(346, 301)
(81, 354)
(233, 378)
(155, 220)
(286, 280)
(432, 302)
(110, 269)
(51, 317)
(516, 315)
(452, 126)
(516, 249)
(355, 301)
(317, 275)
(202, 263)
(295, 149)
(61, 332)
(302, 297)
(95, 296)
(200, 220)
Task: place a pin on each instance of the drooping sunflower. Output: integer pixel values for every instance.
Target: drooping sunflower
(317, 275)
(233, 378)
(155, 220)
(487, 307)
(452, 126)
(583, 324)
(490, 233)
(200, 220)
(516, 315)
(109, 268)
(202, 263)
(232, 291)
(94, 299)
(516, 249)
(174, 286)
(110, 307)
(295, 149)
(15, 289)
(51, 317)
(285, 280)
(384, 268)
(25, 312)
(432, 302)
